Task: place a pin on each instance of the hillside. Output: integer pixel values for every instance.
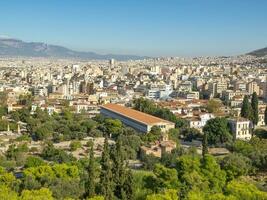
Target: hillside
(15, 47)
(259, 52)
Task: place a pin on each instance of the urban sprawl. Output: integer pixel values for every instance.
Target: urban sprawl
(57, 109)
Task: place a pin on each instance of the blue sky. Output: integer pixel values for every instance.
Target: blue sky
(142, 27)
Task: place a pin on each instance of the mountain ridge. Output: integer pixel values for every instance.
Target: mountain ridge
(17, 47)
(259, 52)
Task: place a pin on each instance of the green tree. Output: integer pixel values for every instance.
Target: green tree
(58, 155)
(162, 178)
(195, 194)
(131, 143)
(25, 99)
(3, 110)
(214, 106)
(149, 161)
(167, 195)
(212, 172)
(7, 194)
(255, 149)
(106, 179)
(147, 106)
(8, 179)
(119, 170)
(174, 134)
(74, 145)
(246, 108)
(205, 147)
(3, 98)
(265, 116)
(255, 109)
(217, 131)
(41, 194)
(113, 126)
(129, 185)
(17, 153)
(153, 135)
(189, 174)
(260, 133)
(34, 161)
(96, 198)
(235, 165)
(42, 133)
(66, 188)
(190, 134)
(245, 191)
(90, 183)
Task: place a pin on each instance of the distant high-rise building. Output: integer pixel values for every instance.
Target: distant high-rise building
(155, 69)
(75, 68)
(111, 63)
(253, 87)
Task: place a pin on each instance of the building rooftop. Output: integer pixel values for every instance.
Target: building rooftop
(134, 114)
(240, 119)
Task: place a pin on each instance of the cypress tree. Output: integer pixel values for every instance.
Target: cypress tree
(128, 185)
(255, 109)
(246, 109)
(106, 181)
(90, 185)
(119, 170)
(265, 116)
(205, 144)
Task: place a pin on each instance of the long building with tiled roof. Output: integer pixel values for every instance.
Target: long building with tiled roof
(138, 120)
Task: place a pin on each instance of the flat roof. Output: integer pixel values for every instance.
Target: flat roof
(240, 119)
(134, 114)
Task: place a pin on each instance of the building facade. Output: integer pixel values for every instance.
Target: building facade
(240, 128)
(138, 120)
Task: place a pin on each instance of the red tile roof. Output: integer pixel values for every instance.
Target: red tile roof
(134, 114)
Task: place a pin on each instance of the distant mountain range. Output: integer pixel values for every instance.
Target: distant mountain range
(259, 52)
(19, 48)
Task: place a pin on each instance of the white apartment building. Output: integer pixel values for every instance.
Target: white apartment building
(40, 91)
(201, 121)
(159, 92)
(261, 121)
(189, 95)
(186, 86)
(253, 87)
(216, 88)
(230, 94)
(240, 128)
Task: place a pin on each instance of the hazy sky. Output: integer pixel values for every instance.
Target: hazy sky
(142, 27)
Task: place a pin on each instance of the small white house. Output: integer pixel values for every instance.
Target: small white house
(201, 121)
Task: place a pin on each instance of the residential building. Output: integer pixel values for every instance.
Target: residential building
(240, 128)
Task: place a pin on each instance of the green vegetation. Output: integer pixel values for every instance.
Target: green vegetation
(250, 110)
(217, 131)
(246, 108)
(190, 134)
(75, 144)
(214, 106)
(53, 173)
(147, 106)
(91, 168)
(255, 109)
(260, 133)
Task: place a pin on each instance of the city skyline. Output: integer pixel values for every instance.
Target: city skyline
(151, 28)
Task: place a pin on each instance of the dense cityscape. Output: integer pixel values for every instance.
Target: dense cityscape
(133, 100)
(158, 128)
